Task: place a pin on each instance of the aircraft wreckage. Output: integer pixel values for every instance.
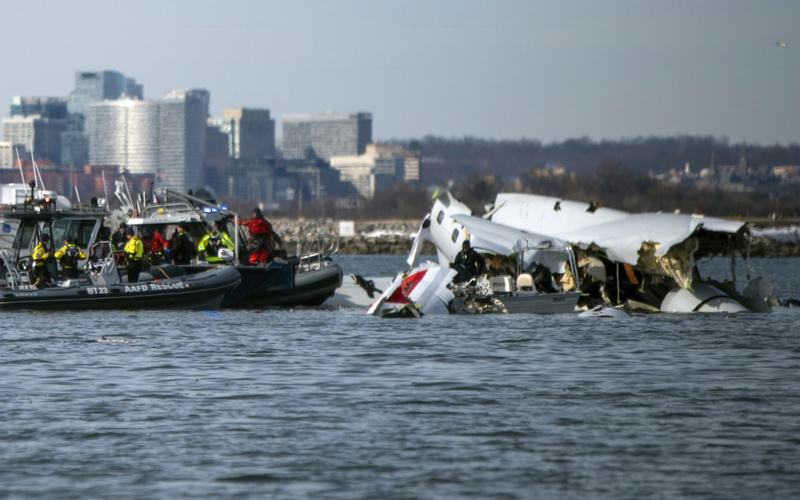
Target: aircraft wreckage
(549, 255)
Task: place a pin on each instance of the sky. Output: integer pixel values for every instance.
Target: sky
(495, 69)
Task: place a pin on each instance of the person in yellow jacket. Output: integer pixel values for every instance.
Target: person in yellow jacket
(68, 255)
(40, 255)
(134, 249)
(213, 241)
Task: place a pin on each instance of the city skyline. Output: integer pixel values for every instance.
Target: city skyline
(503, 70)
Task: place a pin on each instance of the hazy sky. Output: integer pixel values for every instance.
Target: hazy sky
(502, 69)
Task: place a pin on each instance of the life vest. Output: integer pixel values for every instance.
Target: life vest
(40, 254)
(69, 255)
(134, 248)
(212, 243)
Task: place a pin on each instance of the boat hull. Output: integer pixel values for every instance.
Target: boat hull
(279, 284)
(539, 303)
(198, 291)
(311, 288)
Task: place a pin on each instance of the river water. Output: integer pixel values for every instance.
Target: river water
(330, 404)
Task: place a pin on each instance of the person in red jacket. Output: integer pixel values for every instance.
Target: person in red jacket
(153, 242)
(153, 246)
(260, 231)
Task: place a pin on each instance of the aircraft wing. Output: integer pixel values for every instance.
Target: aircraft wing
(622, 239)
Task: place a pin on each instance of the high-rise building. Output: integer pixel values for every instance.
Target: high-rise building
(411, 159)
(38, 120)
(20, 130)
(252, 133)
(91, 86)
(369, 173)
(7, 155)
(182, 131)
(46, 107)
(74, 141)
(324, 135)
(218, 143)
(125, 132)
(44, 134)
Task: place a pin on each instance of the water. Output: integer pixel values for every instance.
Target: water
(312, 403)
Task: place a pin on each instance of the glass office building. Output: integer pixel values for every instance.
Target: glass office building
(325, 135)
(125, 133)
(182, 132)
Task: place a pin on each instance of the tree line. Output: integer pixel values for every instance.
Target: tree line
(446, 159)
(617, 174)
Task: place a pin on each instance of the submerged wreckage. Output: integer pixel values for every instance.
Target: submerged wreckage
(548, 255)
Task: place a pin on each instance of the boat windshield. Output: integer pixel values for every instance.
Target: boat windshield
(24, 234)
(80, 229)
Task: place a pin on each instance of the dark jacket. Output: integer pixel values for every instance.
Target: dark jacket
(181, 248)
(469, 263)
(118, 241)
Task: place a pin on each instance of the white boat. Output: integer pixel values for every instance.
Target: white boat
(527, 301)
(358, 292)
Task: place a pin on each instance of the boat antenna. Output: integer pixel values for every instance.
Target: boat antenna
(105, 188)
(149, 197)
(19, 164)
(127, 188)
(36, 174)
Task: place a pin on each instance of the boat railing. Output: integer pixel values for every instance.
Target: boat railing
(15, 277)
(167, 210)
(314, 248)
(103, 271)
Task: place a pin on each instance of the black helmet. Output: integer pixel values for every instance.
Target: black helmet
(129, 231)
(122, 225)
(257, 211)
(145, 232)
(45, 237)
(69, 239)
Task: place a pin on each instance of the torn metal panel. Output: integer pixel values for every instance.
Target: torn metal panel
(499, 239)
(658, 243)
(452, 223)
(423, 288)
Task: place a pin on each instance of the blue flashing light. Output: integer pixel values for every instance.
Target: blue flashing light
(209, 210)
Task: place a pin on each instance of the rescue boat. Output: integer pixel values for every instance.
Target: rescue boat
(103, 287)
(306, 277)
